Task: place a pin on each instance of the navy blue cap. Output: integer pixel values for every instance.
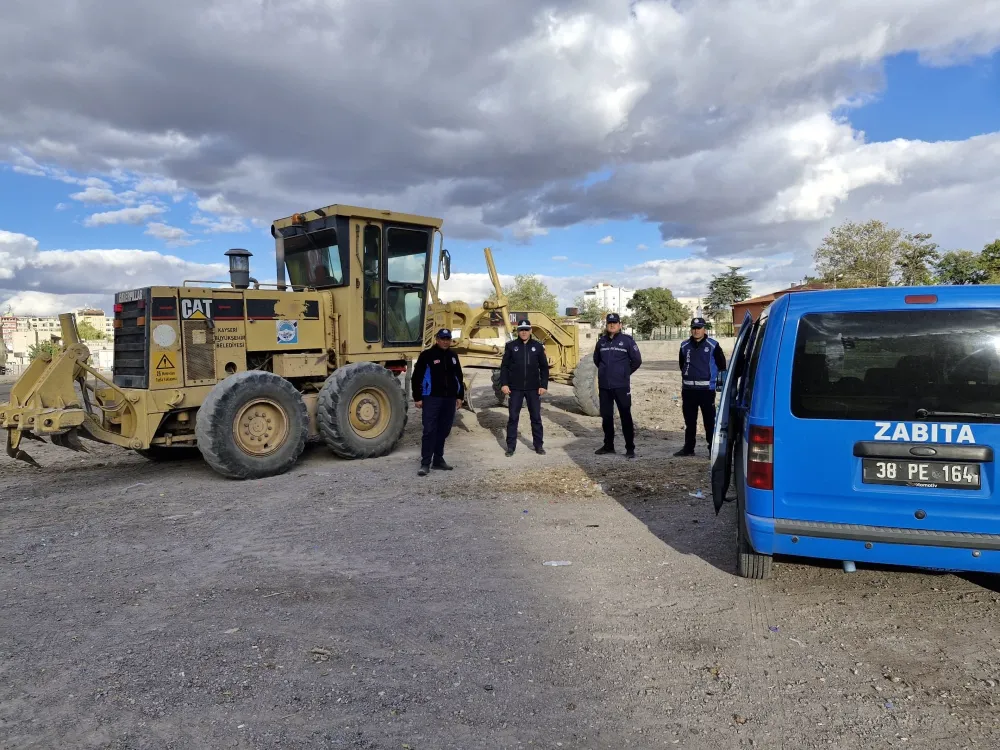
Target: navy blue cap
(613, 318)
(697, 322)
(524, 325)
(444, 333)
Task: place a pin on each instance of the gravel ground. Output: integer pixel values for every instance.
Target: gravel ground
(356, 605)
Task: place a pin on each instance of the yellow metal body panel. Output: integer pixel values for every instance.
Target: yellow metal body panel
(374, 214)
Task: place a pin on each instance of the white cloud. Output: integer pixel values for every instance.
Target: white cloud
(217, 204)
(702, 129)
(223, 224)
(641, 246)
(35, 281)
(135, 216)
(606, 240)
(159, 186)
(683, 241)
(96, 195)
(560, 257)
(172, 236)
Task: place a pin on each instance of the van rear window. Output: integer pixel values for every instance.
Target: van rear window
(886, 365)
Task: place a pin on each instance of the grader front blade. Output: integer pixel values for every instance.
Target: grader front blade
(44, 401)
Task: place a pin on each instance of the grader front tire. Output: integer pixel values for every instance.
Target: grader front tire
(362, 411)
(251, 425)
(585, 387)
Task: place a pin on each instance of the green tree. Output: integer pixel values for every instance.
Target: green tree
(860, 255)
(88, 332)
(961, 267)
(989, 262)
(529, 293)
(653, 307)
(591, 311)
(917, 256)
(725, 290)
(43, 347)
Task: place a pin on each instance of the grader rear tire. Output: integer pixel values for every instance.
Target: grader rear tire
(362, 411)
(585, 387)
(501, 398)
(251, 425)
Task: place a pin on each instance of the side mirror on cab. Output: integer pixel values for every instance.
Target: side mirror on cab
(446, 264)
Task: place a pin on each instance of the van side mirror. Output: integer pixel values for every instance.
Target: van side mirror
(721, 382)
(446, 264)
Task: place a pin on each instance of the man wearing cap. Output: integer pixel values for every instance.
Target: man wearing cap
(617, 357)
(701, 361)
(524, 376)
(438, 389)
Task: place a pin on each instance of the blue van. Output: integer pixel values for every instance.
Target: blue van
(859, 425)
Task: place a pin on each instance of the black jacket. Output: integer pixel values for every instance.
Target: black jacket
(524, 366)
(616, 359)
(438, 373)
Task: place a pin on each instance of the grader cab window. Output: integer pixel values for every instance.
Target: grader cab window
(314, 259)
(406, 270)
(373, 283)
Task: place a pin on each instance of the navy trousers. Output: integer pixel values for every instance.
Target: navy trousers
(622, 397)
(694, 400)
(439, 415)
(516, 401)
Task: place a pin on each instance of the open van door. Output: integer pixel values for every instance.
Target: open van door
(723, 439)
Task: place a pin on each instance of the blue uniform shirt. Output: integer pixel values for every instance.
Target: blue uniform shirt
(701, 362)
(616, 359)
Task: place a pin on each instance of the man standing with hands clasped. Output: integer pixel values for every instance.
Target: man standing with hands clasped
(617, 357)
(524, 376)
(701, 361)
(438, 389)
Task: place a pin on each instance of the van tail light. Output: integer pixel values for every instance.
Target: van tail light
(760, 458)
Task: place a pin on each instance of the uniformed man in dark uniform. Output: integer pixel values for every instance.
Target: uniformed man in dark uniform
(438, 389)
(524, 376)
(617, 357)
(701, 361)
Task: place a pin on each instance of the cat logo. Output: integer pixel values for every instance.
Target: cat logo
(196, 309)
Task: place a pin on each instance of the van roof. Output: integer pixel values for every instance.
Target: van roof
(896, 297)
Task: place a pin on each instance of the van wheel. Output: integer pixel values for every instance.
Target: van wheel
(749, 564)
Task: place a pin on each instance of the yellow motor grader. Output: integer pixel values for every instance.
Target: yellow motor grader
(248, 373)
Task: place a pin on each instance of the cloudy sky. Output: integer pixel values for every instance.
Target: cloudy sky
(643, 142)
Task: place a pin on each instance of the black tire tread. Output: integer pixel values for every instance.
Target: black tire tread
(585, 387)
(215, 440)
(338, 387)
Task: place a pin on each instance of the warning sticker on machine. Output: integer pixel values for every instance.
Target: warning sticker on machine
(165, 372)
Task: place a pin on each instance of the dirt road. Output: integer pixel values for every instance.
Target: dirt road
(356, 605)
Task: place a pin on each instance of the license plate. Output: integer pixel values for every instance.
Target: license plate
(920, 473)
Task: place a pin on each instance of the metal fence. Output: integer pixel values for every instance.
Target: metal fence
(673, 333)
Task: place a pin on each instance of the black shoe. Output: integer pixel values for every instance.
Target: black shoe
(509, 453)
(442, 465)
(683, 452)
(603, 451)
(424, 469)
(540, 451)
(630, 455)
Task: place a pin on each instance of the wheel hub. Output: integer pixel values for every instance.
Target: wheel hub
(370, 412)
(261, 427)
